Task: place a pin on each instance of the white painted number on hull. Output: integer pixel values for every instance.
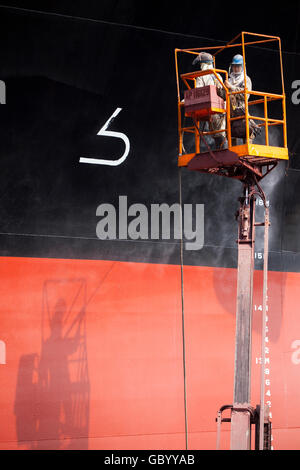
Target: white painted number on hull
(106, 133)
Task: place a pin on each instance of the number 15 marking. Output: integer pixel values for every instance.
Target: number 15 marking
(118, 135)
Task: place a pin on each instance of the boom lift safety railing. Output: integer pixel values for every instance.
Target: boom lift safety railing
(247, 148)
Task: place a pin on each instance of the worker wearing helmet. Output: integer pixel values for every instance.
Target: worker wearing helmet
(236, 82)
(217, 121)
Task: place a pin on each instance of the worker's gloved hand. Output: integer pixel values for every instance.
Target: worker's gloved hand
(228, 85)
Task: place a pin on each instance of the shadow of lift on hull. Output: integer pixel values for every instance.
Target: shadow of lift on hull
(53, 389)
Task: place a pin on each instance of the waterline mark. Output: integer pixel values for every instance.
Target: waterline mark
(163, 222)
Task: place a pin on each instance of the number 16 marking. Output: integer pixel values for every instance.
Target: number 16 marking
(118, 135)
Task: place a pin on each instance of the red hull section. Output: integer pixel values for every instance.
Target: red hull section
(94, 354)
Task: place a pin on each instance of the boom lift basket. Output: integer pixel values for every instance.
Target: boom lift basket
(235, 160)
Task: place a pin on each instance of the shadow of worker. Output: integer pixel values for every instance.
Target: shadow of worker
(64, 403)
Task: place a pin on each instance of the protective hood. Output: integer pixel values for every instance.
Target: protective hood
(236, 77)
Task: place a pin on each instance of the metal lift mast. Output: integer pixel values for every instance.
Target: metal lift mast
(249, 163)
(242, 414)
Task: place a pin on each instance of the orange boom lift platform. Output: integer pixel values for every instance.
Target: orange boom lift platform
(249, 163)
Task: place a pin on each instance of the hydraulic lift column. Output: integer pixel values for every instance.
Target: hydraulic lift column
(241, 411)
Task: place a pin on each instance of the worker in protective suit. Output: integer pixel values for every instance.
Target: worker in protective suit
(236, 82)
(217, 121)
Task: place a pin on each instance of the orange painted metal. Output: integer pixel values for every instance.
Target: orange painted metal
(228, 46)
